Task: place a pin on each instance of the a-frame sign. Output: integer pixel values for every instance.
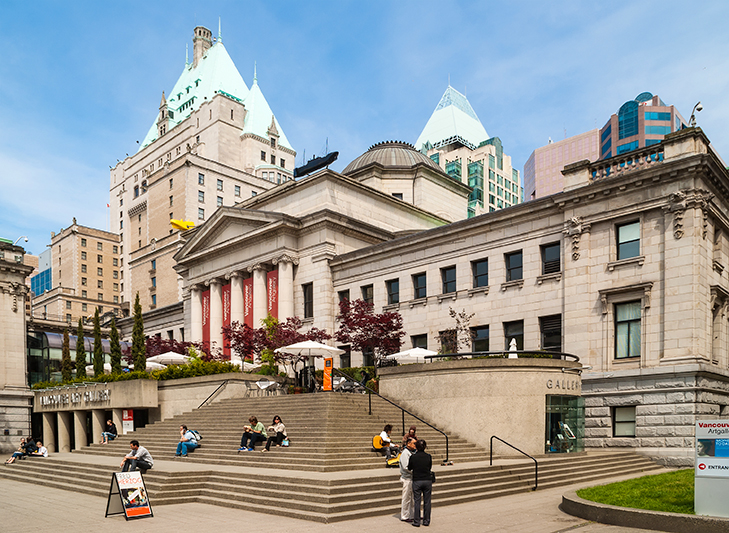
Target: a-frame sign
(128, 495)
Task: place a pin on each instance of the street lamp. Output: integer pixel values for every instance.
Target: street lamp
(18, 239)
(697, 109)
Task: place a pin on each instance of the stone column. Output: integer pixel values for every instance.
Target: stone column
(64, 431)
(196, 332)
(98, 425)
(285, 286)
(117, 418)
(236, 298)
(260, 301)
(216, 314)
(49, 429)
(79, 430)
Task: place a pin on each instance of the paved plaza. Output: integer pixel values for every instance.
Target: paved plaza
(32, 508)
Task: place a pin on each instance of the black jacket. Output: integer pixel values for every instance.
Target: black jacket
(420, 463)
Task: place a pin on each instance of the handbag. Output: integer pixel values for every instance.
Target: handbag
(432, 476)
(285, 443)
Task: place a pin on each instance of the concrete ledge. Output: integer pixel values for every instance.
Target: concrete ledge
(641, 519)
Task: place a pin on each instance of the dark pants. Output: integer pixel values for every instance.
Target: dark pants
(254, 437)
(130, 465)
(425, 489)
(278, 439)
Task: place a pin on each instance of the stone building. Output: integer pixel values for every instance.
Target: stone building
(626, 269)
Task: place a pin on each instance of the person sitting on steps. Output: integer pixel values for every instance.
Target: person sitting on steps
(110, 433)
(252, 434)
(389, 446)
(187, 443)
(280, 430)
(138, 458)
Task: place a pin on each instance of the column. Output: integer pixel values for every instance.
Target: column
(98, 425)
(79, 430)
(285, 287)
(195, 314)
(64, 431)
(260, 303)
(236, 298)
(117, 418)
(49, 429)
(216, 314)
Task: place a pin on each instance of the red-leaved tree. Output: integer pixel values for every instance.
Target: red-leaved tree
(366, 331)
(245, 342)
(278, 334)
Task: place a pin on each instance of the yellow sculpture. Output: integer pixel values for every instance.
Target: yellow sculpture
(182, 225)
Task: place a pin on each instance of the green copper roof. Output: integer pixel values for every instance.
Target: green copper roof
(259, 116)
(453, 118)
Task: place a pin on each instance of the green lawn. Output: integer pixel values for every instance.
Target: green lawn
(672, 492)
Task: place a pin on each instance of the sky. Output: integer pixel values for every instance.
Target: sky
(81, 81)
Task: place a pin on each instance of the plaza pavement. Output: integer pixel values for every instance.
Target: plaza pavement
(32, 508)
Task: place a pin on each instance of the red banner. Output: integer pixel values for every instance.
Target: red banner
(226, 318)
(272, 290)
(248, 302)
(206, 317)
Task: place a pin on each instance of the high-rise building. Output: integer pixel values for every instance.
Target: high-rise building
(213, 142)
(456, 140)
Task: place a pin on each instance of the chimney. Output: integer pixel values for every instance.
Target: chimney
(202, 39)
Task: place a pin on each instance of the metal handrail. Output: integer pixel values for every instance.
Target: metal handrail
(491, 457)
(505, 353)
(223, 384)
(402, 411)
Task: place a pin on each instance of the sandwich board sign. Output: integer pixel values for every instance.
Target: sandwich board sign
(128, 495)
(711, 475)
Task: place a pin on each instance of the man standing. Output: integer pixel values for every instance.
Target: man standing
(139, 458)
(187, 442)
(406, 478)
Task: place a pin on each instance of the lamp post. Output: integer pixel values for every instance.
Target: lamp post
(18, 239)
(697, 109)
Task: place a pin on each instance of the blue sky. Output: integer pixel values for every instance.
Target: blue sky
(81, 81)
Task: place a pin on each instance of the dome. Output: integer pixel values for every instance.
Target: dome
(392, 154)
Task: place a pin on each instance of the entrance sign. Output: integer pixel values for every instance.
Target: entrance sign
(328, 362)
(128, 495)
(712, 468)
(127, 421)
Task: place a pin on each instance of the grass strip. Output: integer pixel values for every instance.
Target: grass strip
(672, 492)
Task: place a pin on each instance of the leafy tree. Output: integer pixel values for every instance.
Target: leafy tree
(115, 349)
(98, 347)
(157, 345)
(245, 342)
(460, 337)
(138, 344)
(66, 364)
(279, 334)
(366, 331)
(80, 351)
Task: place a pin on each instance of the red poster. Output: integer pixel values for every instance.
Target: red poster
(248, 302)
(206, 317)
(272, 290)
(226, 318)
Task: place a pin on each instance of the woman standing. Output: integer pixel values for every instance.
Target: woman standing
(276, 427)
(421, 463)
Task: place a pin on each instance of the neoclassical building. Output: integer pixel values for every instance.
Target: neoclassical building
(626, 269)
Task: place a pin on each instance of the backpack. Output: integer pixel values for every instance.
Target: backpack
(196, 434)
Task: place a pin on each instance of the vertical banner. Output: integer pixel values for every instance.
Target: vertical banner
(272, 290)
(127, 421)
(206, 317)
(132, 500)
(328, 362)
(226, 318)
(248, 302)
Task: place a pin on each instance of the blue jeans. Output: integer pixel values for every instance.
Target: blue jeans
(184, 447)
(109, 436)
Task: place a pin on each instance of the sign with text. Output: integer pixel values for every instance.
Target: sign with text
(206, 317)
(328, 364)
(248, 302)
(711, 474)
(127, 421)
(272, 290)
(128, 495)
(226, 318)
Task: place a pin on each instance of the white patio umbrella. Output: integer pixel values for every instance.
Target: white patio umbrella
(413, 355)
(90, 369)
(310, 348)
(169, 358)
(246, 366)
(151, 365)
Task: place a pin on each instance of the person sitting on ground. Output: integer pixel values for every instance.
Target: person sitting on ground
(252, 434)
(187, 443)
(17, 454)
(138, 458)
(280, 430)
(42, 451)
(110, 433)
(409, 435)
(389, 446)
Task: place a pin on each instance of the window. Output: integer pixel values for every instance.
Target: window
(513, 266)
(368, 294)
(345, 359)
(84, 294)
(154, 282)
(237, 190)
(116, 287)
(627, 330)
(628, 240)
(343, 295)
(154, 299)
(68, 305)
(115, 262)
(550, 329)
(480, 336)
(550, 258)
(84, 281)
(139, 217)
(253, 193)
(68, 318)
(397, 195)
(273, 159)
(263, 155)
(419, 286)
(100, 246)
(393, 291)
(171, 200)
(170, 183)
(201, 196)
(136, 191)
(115, 249)
(282, 163)
(154, 264)
(514, 330)
(368, 357)
(83, 269)
(220, 201)
(83, 243)
(201, 179)
(100, 284)
(308, 290)
(624, 421)
(220, 185)
(448, 276)
(273, 142)
(99, 258)
(99, 271)
(84, 307)
(116, 299)
(83, 256)
(201, 214)
(419, 341)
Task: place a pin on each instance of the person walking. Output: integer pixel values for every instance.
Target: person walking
(406, 478)
(138, 458)
(421, 463)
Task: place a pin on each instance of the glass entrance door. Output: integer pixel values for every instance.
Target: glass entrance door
(565, 424)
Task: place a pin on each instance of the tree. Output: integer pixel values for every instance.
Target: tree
(66, 364)
(459, 337)
(80, 351)
(115, 352)
(369, 332)
(98, 347)
(157, 345)
(138, 349)
(278, 334)
(244, 341)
